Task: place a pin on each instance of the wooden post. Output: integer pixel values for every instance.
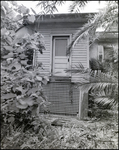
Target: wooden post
(80, 98)
(83, 104)
(34, 58)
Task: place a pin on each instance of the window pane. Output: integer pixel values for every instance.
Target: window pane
(108, 53)
(60, 47)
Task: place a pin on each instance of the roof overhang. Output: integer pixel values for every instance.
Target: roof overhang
(64, 18)
(108, 36)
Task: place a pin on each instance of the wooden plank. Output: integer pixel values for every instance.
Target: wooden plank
(60, 66)
(43, 57)
(79, 57)
(83, 105)
(59, 70)
(78, 60)
(60, 61)
(60, 57)
(79, 52)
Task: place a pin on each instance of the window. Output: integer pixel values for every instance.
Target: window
(60, 45)
(108, 53)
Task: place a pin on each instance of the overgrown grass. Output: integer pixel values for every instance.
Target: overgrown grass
(74, 134)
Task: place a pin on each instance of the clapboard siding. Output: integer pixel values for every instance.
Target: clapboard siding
(82, 53)
(79, 53)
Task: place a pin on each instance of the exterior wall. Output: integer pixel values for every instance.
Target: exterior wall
(79, 53)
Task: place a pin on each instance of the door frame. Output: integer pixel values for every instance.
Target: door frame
(51, 50)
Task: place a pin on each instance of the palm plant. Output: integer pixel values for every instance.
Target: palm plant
(102, 86)
(106, 18)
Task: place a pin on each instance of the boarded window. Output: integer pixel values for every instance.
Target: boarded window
(60, 47)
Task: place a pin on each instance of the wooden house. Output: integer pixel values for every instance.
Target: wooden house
(104, 44)
(61, 89)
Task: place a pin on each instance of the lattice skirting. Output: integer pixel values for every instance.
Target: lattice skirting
(64, 98)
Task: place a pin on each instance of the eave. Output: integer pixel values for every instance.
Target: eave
(64, 18)
(111, 37)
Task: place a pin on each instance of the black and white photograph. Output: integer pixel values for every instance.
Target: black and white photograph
(59, 74)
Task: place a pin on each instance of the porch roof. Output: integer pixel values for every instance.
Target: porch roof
(110, 37)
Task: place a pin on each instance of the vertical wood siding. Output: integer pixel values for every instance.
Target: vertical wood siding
(79, 52)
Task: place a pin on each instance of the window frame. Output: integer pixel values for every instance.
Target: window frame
(101, 52)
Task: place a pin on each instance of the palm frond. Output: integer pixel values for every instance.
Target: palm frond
(108, 100)
(105, 101)
(91, 25)
(76, 5)
(33, 11)
(49, 7)
(94, 76)
(103, 86)
(105, 18)
(60, 3)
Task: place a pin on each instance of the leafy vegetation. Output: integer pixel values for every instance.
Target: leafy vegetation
(21, 81)
(106, 18)
(74, 134)
(21, 94)
(103, 87)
